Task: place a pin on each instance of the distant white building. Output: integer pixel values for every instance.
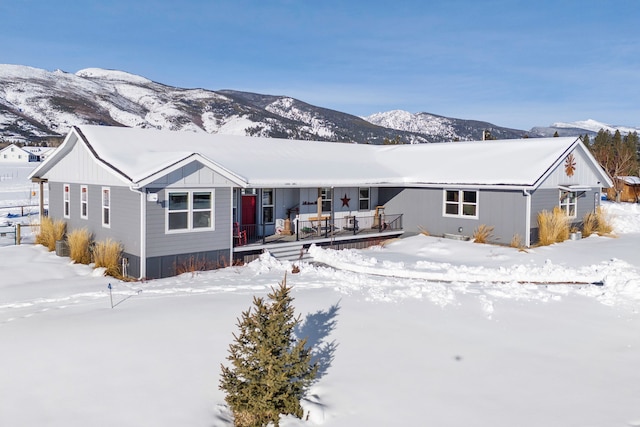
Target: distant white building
(38, 154)
(14, 154)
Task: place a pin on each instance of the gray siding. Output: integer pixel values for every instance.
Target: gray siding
(161, 243)
(548, 198)
(423, 208)
(55, 200)
(124, 217)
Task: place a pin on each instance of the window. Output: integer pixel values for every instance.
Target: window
(325, 194)
(569, 203)
(461, 203)
(189, 210)
(66, 200)
(363, 197)
(106, 207)
(84, 202)
(267, 206)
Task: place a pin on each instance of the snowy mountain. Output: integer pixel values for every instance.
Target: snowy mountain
(37, 104)
(590, 127)
(442, 128)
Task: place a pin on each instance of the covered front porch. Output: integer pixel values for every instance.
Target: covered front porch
(292, 240)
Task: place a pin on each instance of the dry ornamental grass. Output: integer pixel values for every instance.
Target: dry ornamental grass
(50, 232)
(79, 242)
(482, 233)
(553, 227)
(107, 254)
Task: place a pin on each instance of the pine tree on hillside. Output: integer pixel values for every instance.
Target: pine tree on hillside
(617, 155)
(270, 369)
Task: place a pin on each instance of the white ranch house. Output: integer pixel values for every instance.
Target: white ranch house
(169, 197)
(14, 154)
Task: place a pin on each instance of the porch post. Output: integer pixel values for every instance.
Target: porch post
(41, 199)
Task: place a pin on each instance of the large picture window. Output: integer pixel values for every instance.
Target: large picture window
(461, 203)
(84, 202)
(569, 203)
(66, 201)
(106, 207)
(189, 210)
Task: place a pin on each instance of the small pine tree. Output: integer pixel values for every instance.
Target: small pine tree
(270, 369)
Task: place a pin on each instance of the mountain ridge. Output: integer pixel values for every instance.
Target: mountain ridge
(37, 105)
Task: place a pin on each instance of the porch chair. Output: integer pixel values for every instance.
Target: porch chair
(239, 236)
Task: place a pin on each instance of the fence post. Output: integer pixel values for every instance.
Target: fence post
(18, 238)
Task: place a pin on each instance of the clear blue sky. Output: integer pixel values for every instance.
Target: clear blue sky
(510, 62)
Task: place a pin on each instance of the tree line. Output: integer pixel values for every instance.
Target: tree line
(618, 155)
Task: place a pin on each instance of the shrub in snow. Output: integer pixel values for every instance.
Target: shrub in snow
(79, 242)
(50, 232)
(270, 369)
(553, 227)
(604, 222)
(482, 233)
(107, 254)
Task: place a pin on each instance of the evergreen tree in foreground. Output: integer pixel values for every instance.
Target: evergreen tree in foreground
(270, 369)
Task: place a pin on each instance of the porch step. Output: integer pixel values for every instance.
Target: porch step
(291, 253)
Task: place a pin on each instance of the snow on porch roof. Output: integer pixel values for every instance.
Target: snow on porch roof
(629, 180)
(261, 162)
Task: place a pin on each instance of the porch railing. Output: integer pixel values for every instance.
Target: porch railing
(319, 228)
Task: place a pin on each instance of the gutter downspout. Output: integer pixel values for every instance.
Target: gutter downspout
(234, 200)
(143, 232)
(527, 236)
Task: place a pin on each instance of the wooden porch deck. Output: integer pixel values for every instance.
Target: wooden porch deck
(293, 245)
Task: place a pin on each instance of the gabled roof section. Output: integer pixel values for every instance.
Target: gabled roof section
(143, 155)
(64, 149)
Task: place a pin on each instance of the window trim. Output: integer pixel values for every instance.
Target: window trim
(190, 210)
(106, 208)
(324, 193)
(565, 205)
(84, 204)
(460, 203)
(66, 200)
(272, 205)
(361, 199)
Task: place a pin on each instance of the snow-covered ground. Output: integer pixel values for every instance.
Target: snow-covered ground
(422, 331)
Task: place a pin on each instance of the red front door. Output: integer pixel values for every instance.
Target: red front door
(248, 209)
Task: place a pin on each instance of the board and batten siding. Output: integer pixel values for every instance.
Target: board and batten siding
(422, 209)
(582, 174)
(80, 167)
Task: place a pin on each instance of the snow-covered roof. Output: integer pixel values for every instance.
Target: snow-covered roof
(37, 150)
(141, 155)
(630, 180)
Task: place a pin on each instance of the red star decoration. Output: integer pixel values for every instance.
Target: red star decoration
(345, 200)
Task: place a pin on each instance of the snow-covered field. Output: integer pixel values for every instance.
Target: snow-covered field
(422, 331)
